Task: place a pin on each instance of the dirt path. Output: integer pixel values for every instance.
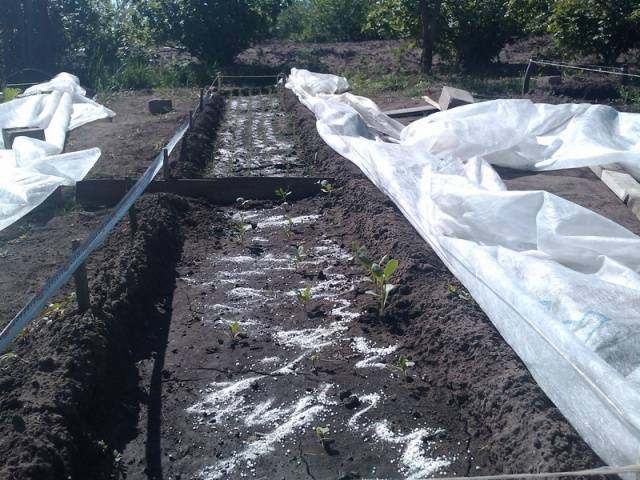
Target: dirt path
(249, 407)
(254, 140)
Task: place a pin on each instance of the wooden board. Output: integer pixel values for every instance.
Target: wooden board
(223, 191)
(412, 112)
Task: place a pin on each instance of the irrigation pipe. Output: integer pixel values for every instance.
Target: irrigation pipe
(579, 473)
(80, 255)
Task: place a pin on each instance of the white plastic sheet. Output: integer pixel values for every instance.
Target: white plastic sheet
(32, 169)
(560, 282)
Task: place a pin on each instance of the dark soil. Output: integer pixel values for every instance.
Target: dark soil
(67, 372)
(134, 137)
(155, 371)
(32, 248)
(198, 143)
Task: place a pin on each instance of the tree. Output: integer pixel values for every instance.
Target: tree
(28, 36)
(602, 27)
(212, 30)
(531, 16)
(474, 30)
(429, 19)
(324, 20)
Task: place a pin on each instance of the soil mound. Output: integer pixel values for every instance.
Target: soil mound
(66, 370)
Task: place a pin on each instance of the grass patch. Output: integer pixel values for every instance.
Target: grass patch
(9, 94)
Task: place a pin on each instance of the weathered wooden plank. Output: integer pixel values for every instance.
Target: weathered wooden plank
(411, 112)
(223, 191)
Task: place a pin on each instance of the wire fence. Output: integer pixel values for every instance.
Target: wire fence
(622, 72)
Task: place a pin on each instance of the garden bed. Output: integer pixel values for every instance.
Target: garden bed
(217, 366)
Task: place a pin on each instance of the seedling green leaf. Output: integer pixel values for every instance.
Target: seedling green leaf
(326, 187)
(298, 255)
(234, 331)
(240, 225)
(314, 358)
(288, 231)
(379, 272)
(304, 295)
(404, 365)
(283, 194)
(321, 434)
(390, 268)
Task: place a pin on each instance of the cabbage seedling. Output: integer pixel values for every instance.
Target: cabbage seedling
(234, 331)
(241, 202)
(12, 356)
(242, 228)
(321, 434)
(379, 273)
(288, 230)
(314, 358)
(304, 295)
(326, 187)
(283, 195)
(404, 365)
(298, 255)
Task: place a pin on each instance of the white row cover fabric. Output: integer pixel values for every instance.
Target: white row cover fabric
(33, 169)
(560, 282)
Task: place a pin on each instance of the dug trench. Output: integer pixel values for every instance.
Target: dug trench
(216, 347)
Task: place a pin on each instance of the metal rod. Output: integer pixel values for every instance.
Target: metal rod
(579, 473)
(527, 78)
(81, 282)
(190, 119)
(251, 76)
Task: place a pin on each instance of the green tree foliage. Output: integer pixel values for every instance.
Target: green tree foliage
(214, 31)
(606, 28)
(324, 20)
(476, 30)
(531, 16)
(394, 18)
(29, 35)
(473, 30)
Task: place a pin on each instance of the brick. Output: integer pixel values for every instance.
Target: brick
(158, 106)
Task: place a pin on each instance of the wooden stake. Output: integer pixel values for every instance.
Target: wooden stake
(527, 78)
(190, 119)
(165, 164)
(80, 280)
(133, 220)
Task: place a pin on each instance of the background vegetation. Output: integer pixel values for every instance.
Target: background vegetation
(116, 43)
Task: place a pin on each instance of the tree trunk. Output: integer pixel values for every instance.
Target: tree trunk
(429, 13)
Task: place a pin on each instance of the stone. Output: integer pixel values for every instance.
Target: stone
(550, 81)
(10, 134)
(454, 97)
(158, 106)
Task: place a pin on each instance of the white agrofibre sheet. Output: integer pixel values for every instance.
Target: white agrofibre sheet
(560, 282)
(32, 169)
